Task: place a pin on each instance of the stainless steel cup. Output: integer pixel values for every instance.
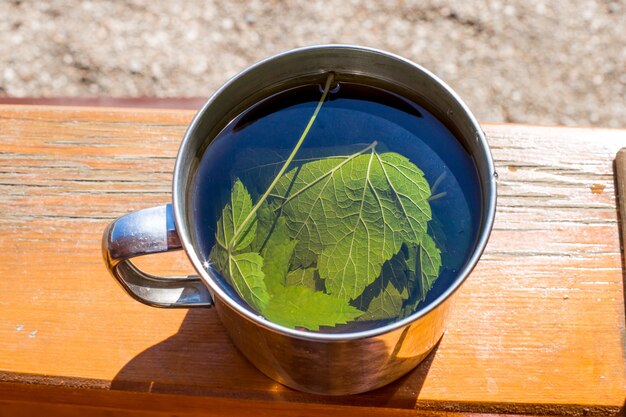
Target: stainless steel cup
(341, 363)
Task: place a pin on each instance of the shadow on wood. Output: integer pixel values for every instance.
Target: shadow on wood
(201, 360)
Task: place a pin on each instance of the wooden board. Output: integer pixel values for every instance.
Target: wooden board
(538, 328)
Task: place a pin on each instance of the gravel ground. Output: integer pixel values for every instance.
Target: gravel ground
(529, 61)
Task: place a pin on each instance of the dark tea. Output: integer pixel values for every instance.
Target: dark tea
(335, 207)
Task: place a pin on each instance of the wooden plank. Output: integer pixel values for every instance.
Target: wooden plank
(28, 400)
(539, 326)
(141, 102)
(89, 401)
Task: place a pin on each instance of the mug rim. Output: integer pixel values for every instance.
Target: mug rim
(487, 218)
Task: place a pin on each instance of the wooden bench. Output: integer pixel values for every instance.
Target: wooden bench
(538, 328)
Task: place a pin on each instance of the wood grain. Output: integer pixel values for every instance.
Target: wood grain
(538, 328)
(28, 400)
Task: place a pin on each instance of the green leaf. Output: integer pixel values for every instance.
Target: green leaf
(424, 265)
(273, 241)
(386, 305)
(411, 253)
(219, 259)
(383, 299)
(244, 271)
(428, 265)
(435, 230)
(302, 277)
(351, 214)
(302, 307)
(233, 215)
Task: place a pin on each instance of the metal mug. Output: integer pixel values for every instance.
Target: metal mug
(339, 363)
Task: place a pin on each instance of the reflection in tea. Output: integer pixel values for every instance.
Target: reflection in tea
(336, 208)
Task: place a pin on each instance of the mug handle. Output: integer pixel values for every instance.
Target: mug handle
(145, 232)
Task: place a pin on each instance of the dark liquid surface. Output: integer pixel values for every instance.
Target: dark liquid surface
(351, 119)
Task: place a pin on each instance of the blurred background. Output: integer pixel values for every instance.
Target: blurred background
(526, 61)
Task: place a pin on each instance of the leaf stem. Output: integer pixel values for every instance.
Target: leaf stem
(437, 182)
(437, 196)
(241, 227)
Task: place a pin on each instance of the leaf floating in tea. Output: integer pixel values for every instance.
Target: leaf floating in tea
(386, 305)
(423, 266)
(233, 216)
(273, 242)
(331, 238)
(389, 292)
(298, 306)
(243, 270)
(246, 272)
(303, 278)
(435, 230)
(428, 265)
(352, 214)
